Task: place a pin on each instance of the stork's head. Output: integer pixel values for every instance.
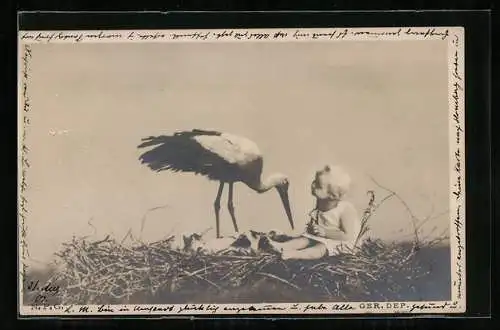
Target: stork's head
(282, 183)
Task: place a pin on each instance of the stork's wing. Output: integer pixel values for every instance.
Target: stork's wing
(233, 149)
(208, 153)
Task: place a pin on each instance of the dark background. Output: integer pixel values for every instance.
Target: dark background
(478, 90)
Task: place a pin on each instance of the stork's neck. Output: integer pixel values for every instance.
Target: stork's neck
(267, 183)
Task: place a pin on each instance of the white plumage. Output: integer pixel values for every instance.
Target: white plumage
(232, 148)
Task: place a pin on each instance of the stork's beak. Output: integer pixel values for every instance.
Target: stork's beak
(283, 192)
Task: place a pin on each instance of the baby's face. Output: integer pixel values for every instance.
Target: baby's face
(320, 187)
(323, 186)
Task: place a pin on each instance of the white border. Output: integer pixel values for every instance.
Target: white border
(454, 36)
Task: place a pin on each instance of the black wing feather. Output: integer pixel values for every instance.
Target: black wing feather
(196, 132)
(181, 153)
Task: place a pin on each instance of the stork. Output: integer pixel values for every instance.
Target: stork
(218, 156)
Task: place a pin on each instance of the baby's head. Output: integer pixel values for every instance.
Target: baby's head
(330, 183)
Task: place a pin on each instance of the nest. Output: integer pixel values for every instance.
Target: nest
(106, 271)
(111, 272)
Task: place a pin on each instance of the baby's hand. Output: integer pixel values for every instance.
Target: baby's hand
(310, 226)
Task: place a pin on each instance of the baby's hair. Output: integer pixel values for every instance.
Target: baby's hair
(340, 181)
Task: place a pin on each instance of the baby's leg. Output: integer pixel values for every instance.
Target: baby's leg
(296, 243)
(314, 252)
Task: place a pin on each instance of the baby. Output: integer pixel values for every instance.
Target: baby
(334, 222)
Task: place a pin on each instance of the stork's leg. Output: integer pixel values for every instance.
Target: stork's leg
(230, 206)
(217, 208)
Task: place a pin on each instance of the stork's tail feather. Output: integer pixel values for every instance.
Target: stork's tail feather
(178, 153)
(196, 132)
(153, 140)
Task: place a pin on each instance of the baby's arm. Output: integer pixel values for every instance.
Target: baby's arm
(334, 233)
(349, 226)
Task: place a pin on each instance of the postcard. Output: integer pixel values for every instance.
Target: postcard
(241, 171)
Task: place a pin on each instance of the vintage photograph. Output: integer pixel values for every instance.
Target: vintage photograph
(240, 171)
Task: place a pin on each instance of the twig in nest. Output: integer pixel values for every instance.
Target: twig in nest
(203, 279)
(144, 217)
(196, 272)
(278, 279)
(441, 237)
(414, 219)
(431, 217)
(91, 225)
(128, 234)
(106, 239)
(370, 209)
(319, 265)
